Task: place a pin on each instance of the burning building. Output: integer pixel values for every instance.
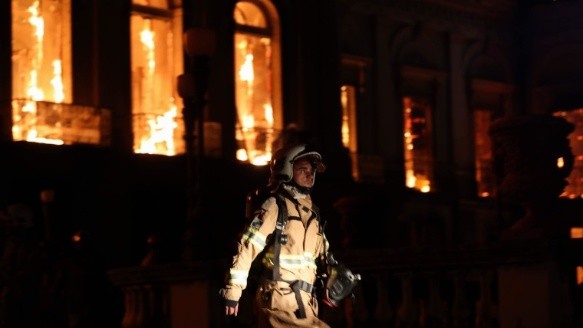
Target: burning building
(456, 125)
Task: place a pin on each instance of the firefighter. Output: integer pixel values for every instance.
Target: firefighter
(286, 235)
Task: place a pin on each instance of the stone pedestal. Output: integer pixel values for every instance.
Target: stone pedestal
(534, 295)
(532, 159)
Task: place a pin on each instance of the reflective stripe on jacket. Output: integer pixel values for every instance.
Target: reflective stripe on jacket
(306, 242)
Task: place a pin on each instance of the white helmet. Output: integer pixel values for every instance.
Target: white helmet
(281, 164)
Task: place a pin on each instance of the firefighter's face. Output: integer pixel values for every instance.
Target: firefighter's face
(304, 173)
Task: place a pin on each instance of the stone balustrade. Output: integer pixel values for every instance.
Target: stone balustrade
(493, 286)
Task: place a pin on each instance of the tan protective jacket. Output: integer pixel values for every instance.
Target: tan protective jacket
(306, 243)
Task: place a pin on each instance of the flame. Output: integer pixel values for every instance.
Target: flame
(41, 79)
(246, 72)
(579, 275)
(256, 132)
(38, 24)
(57, 81)
(160, 139)
(147, 39)
(413, 178)
(576, 232)
(25, 114)
(157, 136)
(254, 153)
(248, 122)
(242, 155)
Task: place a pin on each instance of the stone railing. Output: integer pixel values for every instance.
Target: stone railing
(171, 295)
(526, 282)
(496, 286)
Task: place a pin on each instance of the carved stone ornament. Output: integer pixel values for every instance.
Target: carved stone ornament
(532, 159)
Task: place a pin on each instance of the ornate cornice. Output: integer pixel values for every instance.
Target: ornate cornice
(449, 14)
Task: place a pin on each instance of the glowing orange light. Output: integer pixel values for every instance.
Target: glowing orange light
(256, 132)
(156, 116)
(576, 232)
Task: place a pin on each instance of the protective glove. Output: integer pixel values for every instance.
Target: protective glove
(231, 306)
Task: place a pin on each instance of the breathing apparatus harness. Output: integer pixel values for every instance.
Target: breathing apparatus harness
(279, 239)
(340, 280)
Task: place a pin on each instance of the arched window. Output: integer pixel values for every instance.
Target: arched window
(156, 60)
(257, 80)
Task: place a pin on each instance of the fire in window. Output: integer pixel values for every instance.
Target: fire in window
(574, 189)
(258, 117)
(348, 128)
(348, 101)
(156, 61)
(418, 142)
(41, 78)
(485, 178)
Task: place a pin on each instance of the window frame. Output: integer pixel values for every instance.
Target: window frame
(173, 15)
(272, 30)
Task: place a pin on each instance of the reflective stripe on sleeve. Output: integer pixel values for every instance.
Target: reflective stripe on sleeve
(255, 237)
(238, 277)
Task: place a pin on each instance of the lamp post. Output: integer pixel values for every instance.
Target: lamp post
(199, 44)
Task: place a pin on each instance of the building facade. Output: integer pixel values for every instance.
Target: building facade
(451, 131)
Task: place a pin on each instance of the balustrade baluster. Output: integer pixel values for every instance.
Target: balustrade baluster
(408, 312)
(138, 315)
(436, 307)
(486, 312)
(460, 308)
(130, 307)
(383, 313)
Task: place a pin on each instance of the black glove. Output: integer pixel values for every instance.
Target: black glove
(229, 303)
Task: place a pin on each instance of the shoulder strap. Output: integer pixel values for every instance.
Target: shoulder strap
(315, 210)
(279, 225)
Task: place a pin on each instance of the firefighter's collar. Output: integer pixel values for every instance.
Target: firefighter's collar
(294, 192)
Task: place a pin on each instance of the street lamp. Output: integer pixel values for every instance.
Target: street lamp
(199, 45)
